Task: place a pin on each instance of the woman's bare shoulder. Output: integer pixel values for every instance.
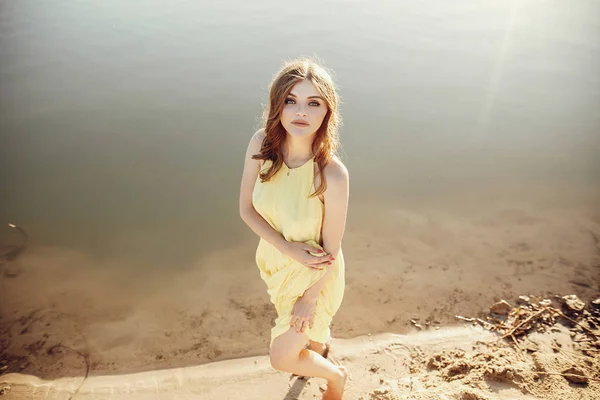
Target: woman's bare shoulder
(256, 142)
(259, 135)
(336, 171)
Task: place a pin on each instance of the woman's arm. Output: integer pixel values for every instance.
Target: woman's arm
(334, 223)
(297, 250)
(247, 212)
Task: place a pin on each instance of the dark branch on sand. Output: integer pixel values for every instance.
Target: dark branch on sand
(596, 241)
(11, 255)
(86, 357)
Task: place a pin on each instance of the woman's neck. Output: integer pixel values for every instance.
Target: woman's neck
(297, 149)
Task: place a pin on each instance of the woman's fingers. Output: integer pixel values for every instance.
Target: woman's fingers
(300, 323)
(319, 260)
(316, 265)
(324, 259)
(304, 325)
(320, 265)
(315, 250)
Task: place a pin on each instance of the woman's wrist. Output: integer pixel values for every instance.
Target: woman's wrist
(283, 246)
(311, 294)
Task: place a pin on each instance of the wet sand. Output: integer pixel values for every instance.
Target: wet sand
(428, 259)
(452, 363)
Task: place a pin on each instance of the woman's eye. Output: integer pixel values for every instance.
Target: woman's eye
(312, 103)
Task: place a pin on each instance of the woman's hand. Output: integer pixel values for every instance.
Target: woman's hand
(309, 256)
(303, 313)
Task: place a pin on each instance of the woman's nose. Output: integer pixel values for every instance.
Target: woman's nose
(300, 110)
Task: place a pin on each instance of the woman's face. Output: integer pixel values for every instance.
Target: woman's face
(304, 109)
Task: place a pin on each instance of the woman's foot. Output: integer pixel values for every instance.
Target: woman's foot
(335, 388)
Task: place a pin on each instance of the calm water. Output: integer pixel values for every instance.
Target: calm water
(124, 124)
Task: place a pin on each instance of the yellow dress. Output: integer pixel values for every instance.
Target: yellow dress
(284, 203)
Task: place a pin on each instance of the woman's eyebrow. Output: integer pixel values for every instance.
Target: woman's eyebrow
(309, 97)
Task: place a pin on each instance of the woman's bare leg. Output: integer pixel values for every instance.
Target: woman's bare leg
(288, 354)
(318, 347)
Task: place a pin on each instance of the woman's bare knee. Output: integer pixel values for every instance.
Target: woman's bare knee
(280, 360)
(283, 361)
(286, 349)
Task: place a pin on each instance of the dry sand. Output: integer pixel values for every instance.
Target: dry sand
(451, 363)
(65, 313)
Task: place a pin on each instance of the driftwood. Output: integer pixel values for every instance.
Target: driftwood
(540, 315)
(530, 318)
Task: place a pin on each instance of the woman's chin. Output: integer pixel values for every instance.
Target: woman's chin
(298, 131)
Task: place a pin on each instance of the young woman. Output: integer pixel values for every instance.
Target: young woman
(294, 195)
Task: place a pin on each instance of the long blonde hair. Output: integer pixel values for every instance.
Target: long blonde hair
(326, 142)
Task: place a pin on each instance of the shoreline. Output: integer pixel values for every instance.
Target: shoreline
(426, 262)
(382, 367)
(248, 374)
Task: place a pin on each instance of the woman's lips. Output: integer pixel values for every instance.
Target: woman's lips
(300, 124)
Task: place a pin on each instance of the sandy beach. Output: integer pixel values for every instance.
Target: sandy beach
(471, 136)
(64, 313)
(451, 363)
